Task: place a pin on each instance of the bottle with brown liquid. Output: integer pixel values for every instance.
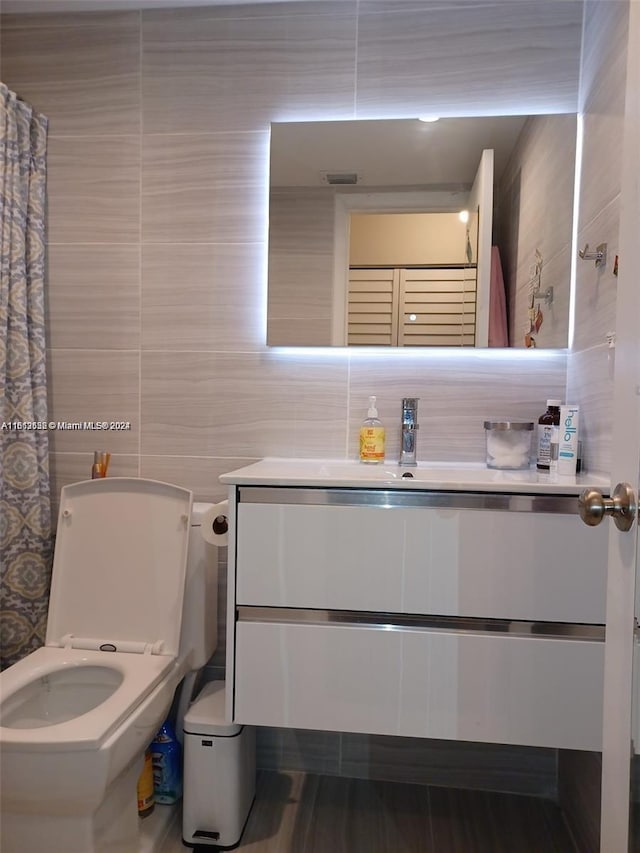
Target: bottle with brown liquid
(546, 425)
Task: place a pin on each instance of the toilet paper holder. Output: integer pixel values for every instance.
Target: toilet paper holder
(220, 525)
(215, 524)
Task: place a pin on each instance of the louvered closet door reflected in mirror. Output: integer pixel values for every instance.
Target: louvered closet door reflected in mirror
(412, 307)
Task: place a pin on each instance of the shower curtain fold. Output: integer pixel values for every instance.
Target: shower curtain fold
(25, 514)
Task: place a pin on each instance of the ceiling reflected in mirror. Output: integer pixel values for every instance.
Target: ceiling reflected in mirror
(407, 153)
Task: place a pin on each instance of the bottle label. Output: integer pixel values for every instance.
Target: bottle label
(372, 444)
(167, 772)
(544, 444)
(146, 798)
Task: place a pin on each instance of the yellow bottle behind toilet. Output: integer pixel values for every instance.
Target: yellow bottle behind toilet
(372, 435)
(146, 794)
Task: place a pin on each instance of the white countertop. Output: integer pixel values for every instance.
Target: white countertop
(431, 476)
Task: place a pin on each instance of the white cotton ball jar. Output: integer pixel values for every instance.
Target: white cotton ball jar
(508, 444)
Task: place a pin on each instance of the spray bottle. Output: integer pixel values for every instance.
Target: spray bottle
(166, 754)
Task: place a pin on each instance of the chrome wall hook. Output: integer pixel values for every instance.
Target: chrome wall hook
(599, 256)
(535, 284)
(547, 295)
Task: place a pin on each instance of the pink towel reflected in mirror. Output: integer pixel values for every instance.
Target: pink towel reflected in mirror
(498, 333)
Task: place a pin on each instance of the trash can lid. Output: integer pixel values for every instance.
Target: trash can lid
(206, 716)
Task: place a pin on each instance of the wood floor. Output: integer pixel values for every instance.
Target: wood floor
(302, 813)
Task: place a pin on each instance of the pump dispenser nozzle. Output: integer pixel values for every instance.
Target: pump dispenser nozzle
(372, 412)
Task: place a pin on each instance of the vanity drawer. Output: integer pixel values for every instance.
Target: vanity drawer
(420, 683)
(491, 563)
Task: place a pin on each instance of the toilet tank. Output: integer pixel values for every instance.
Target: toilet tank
(199, 634)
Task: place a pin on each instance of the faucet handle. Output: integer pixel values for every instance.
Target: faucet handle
(410, 402)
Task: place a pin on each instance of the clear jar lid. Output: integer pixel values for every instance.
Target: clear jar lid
(509, 425)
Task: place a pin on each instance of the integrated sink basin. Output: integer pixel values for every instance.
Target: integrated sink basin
(432, 476)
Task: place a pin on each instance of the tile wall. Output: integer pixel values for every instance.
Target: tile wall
(602, 92)
(535, 212)
(158, 153)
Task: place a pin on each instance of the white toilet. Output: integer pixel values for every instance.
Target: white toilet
(77, 715)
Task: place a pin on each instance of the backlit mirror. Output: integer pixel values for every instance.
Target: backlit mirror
(406, 232)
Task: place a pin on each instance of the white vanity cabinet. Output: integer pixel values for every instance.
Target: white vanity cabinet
(427, 613)
(499, 557)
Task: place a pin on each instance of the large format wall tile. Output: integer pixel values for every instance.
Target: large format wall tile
(93, 190)
(604, 52)
(491, 57)
(66, 468)
(299, 331)
(457, 392)
(596, 287)
(83, 71)
(94, 385)
(590, 383)
(301, 265)
(93, 296)
(317, 752)
(203, 296)
(601, 164)
(200, 474)
(252, 405)
(556, 316)
(258, 9)
(602, 88)
(602, 100)
(65, 20)
(207, 72)
(602, 95)
(204, 188)
(535, 214)
(312, 751)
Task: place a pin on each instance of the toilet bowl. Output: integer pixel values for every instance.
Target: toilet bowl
(77, 715)
(65, 753)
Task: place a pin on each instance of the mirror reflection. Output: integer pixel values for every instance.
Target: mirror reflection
(454, 232)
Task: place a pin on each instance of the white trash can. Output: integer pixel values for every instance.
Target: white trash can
(219, 772)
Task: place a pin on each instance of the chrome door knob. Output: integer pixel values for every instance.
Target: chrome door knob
(622, 507)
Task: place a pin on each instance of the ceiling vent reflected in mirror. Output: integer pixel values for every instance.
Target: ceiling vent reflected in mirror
(340, 178)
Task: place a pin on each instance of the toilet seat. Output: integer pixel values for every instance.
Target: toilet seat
(116, 603)
(141, 673)
(119, 565)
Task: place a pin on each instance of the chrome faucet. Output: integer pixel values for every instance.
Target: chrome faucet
(409, 430)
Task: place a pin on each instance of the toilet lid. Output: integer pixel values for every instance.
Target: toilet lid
(120, 562)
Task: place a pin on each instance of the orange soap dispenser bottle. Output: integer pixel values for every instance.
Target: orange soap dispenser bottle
(372, 436)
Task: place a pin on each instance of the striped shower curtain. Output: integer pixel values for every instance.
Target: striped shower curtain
(25, 515)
